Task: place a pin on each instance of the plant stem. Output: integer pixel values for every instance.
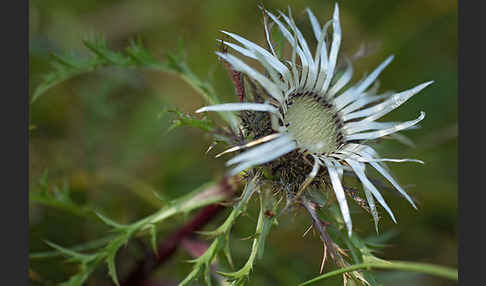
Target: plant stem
(165, 250)
(169, 246)
(426, 268)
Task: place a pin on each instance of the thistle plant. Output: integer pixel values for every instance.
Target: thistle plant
(299, 130)
(310, 118)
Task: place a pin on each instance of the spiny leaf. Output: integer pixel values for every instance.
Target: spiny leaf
(135, 55)
(110, 222)
(73, 255)
(111, 250)
(207, 194)
(84, 272)
(78, 279)
(264, 223)
(110, 260)
(227, 251)
(138, 54)
(87, 264)
(105, 55)
(269, 210)
(203, 262)
(153, 239)
(81, 247)
(57, 198)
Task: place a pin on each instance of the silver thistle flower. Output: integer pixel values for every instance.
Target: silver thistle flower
(311, 113)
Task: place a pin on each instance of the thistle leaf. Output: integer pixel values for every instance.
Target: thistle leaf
(73, 255)
(153, 239)
(67, 66)
(110, 222)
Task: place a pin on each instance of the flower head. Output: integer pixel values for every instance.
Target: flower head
(316, 125)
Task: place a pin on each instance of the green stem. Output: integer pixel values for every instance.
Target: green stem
(426, 268)
(205, 195)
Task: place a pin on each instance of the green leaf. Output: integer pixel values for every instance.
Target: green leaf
(73, 255)
(57, 198)
(203, 262)
(139, 55)
(87, 264)
(153, 239)
(110, 222)
(105, 55)
(264, 223)
(110, 259)
(84, 272)
(135, 55)
(221, 234)
(205, 195)
(227, 251)
(81, 247)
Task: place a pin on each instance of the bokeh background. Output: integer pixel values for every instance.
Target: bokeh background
(100, 134)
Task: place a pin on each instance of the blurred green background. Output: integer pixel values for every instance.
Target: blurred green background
(101, 134)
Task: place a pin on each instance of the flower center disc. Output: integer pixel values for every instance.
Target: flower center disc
(312, 123)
